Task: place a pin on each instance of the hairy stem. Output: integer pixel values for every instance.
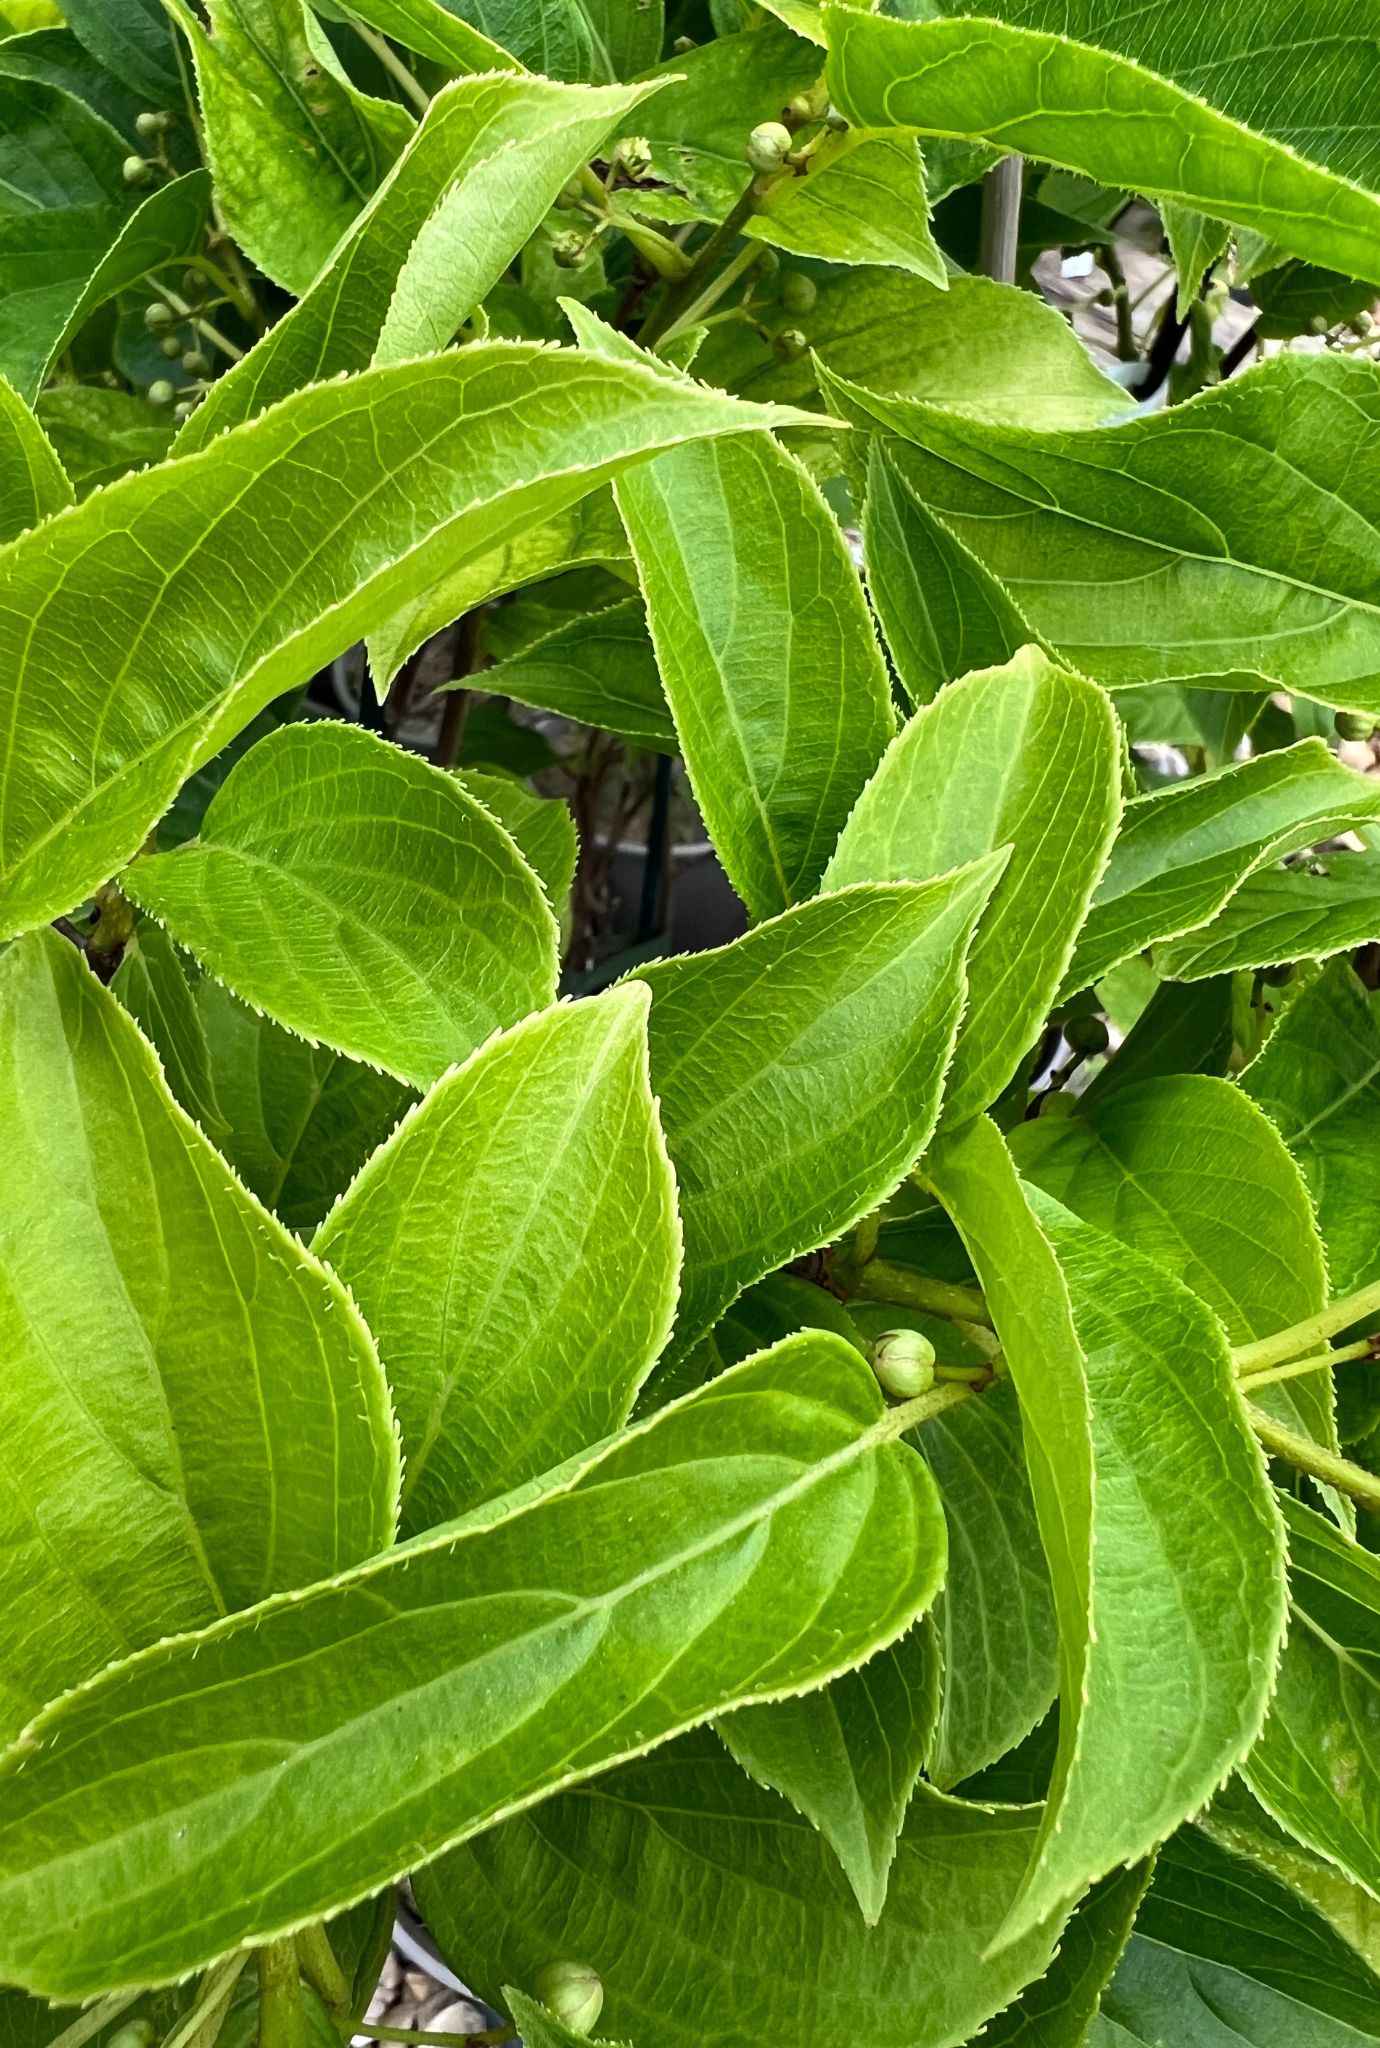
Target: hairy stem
(1299, 1366)
(94, 2019)
(908, 1415)
(392, 63)
(282, 2018)
(213, 1997)
(1300, 1339)
(317, 1961)
(881, 1281)
(691, 288)
(1306, 1456)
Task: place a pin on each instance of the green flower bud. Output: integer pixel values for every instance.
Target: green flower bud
(791, 343)
(196, 364)
(903, 1361)
(572, 1991)
(798, 292)
(134, 2034)
(193, 284)
(768, 262)
(1087, 1034)
(768, 146)
(633, 156)
(1059, 1102)
(1354, 725)
(683, 45)
(1319, 324)
(161, 392)
(1361, 323)
(135, 170)
(170, 346)
(812, 105)
(158, 317)
(184, 409)
(568, 251)
(150, 124)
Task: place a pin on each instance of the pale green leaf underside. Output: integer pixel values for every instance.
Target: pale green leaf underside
(766, 653)
(1025, 756)
(361, 897)
(1182, 853)
(1089, 110)
(236, 1783)
(130, 654)
(1154, 548)
(516, 1248)
(194, 1415)
(799, 1072)
(737, 1925)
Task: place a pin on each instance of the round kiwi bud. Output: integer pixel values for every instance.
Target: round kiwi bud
(1087, 1034)
(798, 292)
(572, 1991)
(903, 1361)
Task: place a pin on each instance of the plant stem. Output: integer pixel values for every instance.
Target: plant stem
(1300, 1366)
(908, 1415)
(714, 290)
(94, 2018)
(1300, 1339)
(392, 63)
(318, 1964)
(690, 290)
(199, 321)
(1306, 1456)
(217, 1989)
(282, 2019)
(999, 232)
(881, 1281)
(1125, 328)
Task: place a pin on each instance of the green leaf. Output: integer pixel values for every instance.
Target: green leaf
(516, 1248)
(1042, 94)
(195, 1416)
(799, 1072)
(1028, 757)
(1185, 1028)
(1305, 84)
(51, 285)
(298, 1120)
(864, 202)
(1316, 1767)
(997, 352)
(33, 484)
(698, 127)
(474, 183)
(133, 39)
(715, 1915)
(589, 533)
(57, 154)
(775, 1308)
(440, 465)
(1282, 914)
(1195, 245)
(56, 56)
(1187, 1170)
(767, 654)
(100, 435)
(438, 32)
(154, 987)
(1057, 2010)
(1219, 1940)
(1318, 1081)
(1166, 1672)
(540, 827)
(848, 1758)
(1182, 853)
(942, 615)
(1140, 557)
(599, 668)
(361, 897)
(294, 148)
(263, 1772)
(1238, 1823)
(997, 1590)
